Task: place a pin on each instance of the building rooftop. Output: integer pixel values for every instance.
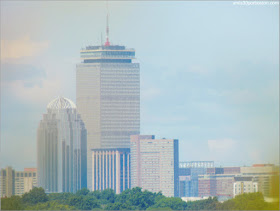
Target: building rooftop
(61, 103)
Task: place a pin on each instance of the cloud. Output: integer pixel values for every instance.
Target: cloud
(29, 74)
(31, 93)
(23, 47)
(221, 145)
(28, 83)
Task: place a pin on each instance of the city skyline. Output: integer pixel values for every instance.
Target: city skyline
(210, 83)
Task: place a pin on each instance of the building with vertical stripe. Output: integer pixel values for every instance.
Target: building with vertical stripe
(111, 169)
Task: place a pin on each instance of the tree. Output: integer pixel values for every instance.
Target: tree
(12, 203)
(89, 202)
(62, 198)
(107, 196)
(206, 204)
(83, 191)
(50, 205)
(119, 206)
(83, 202)
(34, 196)
(171, 202)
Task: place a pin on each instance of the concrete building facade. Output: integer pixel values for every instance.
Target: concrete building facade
(25, 180)
(17, 182)
(155, 164)
(244, 185)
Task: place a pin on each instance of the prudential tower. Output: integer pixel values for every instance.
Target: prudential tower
(108, 96)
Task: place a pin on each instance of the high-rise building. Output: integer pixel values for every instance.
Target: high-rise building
(111, 169)
(17, 182)
(155, 164)
(61, 148)
(108, 97)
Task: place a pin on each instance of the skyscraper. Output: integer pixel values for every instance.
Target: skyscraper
(155, 164)
(61, 148)
(108, 97)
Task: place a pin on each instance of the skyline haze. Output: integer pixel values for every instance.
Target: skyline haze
(209, 72)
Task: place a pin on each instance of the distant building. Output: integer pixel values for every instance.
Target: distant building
(188, 199)
(25, 180)
(61, 148)
(155, 164)
(7, 182)
(111, 169)
(189, 172)
(220, 185)
(17, 182)
(244, 185)
(263, 174)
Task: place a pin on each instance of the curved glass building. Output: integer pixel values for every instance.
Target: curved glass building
(62, 148)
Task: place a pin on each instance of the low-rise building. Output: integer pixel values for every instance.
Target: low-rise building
(244, 185)
(17, 182)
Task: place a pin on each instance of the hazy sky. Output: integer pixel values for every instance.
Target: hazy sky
(209, 72)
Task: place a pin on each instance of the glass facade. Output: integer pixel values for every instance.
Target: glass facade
(61, 143)
(108, 97)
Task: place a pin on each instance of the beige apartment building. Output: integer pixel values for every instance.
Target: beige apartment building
(17, 182)
(155, 164)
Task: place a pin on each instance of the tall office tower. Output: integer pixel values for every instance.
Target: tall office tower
(61, 148)
(111, 169)
(108, 97)
(155, 164)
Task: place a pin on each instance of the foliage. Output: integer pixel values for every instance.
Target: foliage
(247, 201)
(50, 205)
(131, 199)
(171, 202)
(84, 202)
(34, 196)
(62, 198)
(12, 203)
(207, 204)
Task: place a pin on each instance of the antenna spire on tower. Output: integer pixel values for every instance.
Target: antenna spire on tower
(107, 43)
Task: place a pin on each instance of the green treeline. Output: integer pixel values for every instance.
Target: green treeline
(132, 199)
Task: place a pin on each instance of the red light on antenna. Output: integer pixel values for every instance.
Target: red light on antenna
(107, 43)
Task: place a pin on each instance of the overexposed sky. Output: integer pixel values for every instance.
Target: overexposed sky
(209, 72)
